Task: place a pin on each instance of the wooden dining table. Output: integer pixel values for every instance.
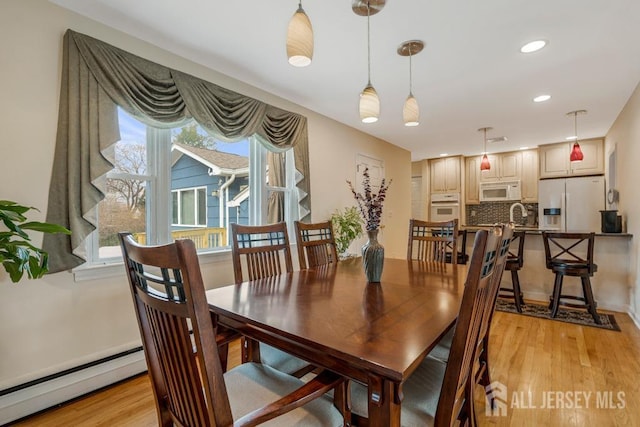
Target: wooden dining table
(376, 333)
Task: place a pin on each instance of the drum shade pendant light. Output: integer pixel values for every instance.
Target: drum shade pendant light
(300, 39)
(576, 153)
(484, 164)
(369, 102)
(411, 110)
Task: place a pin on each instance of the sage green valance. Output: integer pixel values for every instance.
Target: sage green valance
(98, 77)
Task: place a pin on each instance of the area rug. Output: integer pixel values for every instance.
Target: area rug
(564, 315)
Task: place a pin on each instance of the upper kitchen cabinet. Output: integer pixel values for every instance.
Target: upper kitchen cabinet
(445, 175)
(472, 180)
(554, 159)
(504, 167)
(529, 175)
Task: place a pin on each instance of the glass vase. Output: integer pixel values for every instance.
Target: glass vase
(373, 257)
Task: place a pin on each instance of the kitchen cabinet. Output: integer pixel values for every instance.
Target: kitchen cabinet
(529, 176)
(554, 159)
(445, 175)
(504, 167)
(472, 180)
(511, 166)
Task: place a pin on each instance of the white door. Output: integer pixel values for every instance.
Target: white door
(376, 172)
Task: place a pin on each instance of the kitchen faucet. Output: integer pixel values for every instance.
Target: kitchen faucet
(522, 209)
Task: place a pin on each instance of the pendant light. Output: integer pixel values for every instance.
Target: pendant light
(576, 153)
(484, 164)
(300, 39)
(411, 110)
(369, 102)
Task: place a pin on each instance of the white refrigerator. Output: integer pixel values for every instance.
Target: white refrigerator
(571, 204)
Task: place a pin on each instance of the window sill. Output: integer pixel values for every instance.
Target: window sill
(97, 271)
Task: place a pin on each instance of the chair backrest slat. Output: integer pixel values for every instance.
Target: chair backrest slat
(172, 312)
(264, 248)
(316, 244)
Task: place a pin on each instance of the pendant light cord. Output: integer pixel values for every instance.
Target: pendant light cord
(485, 141)
(410, 73)
(368, 45)
(575, 125)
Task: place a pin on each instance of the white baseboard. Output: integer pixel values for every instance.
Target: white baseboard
(41, 396)
(543, 297)
(635, 318)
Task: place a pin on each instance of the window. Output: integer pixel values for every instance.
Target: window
(189, 207)
(181, 183)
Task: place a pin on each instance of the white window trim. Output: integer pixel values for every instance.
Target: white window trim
(159, 209)
(206, 208)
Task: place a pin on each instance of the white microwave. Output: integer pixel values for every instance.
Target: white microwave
(500, 191)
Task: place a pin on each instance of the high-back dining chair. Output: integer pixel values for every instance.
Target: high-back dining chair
(178, 336)
(316, 244)
(263, 251)
(260, 250)
(482, 374)
(439, 394)
(432, 241)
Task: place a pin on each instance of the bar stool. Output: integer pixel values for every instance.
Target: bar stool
(569, 257)
(514, 263)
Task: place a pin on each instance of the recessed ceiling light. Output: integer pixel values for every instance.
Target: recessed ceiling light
(542, 98)
(444, 155)
(533, 46)
(524, 148)
(571, 138)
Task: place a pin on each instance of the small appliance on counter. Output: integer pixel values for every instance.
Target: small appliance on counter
(611, 221)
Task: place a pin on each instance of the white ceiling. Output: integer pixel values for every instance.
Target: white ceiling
(469, 75)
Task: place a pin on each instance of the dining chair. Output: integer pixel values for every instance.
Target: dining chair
(439, 394)
(571, 254)
(442, 351)
(432, 241)
(178, 337)
(482, 374)
(263, 251)
(316, 244)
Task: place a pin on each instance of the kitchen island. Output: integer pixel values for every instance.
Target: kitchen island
(611, 283)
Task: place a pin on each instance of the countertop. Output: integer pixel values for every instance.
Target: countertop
(536, 230)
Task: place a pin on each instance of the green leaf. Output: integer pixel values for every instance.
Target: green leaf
(44, 227)
(17, 254)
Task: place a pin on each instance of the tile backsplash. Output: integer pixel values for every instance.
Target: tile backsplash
(492, 212)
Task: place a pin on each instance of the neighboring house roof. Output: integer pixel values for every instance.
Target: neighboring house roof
(219, 163)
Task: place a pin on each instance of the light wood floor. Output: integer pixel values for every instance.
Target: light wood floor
(535, 359)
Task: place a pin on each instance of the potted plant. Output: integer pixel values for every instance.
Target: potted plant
(347, 226)
(17, 255)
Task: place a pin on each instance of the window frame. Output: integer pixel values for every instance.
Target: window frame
(196, 206)
(158, 199)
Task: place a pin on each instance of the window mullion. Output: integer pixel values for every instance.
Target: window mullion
(159, 208)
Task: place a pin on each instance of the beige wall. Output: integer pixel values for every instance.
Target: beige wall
(624, 135)
(55, 323)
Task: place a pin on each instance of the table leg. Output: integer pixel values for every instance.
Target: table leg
(384, 399)
(250, 350)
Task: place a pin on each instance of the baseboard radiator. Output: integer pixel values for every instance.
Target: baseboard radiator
(35, 396)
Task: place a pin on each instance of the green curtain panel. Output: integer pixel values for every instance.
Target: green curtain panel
(98, 77)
